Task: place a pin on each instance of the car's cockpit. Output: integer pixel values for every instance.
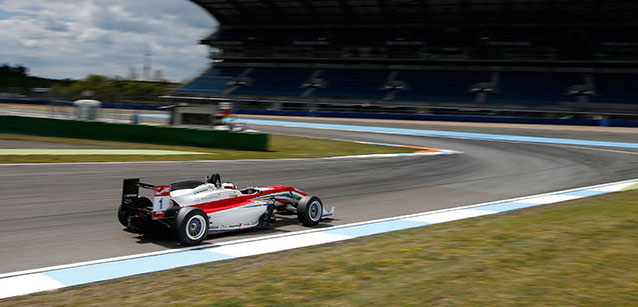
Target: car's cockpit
(212, 185)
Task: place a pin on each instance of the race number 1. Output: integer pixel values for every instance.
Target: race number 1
(162, 199)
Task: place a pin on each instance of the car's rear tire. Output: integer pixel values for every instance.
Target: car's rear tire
(190, 226)
(309, 210)
(122, 215)
(123, 212)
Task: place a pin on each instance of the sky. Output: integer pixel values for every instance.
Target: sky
(75, 38)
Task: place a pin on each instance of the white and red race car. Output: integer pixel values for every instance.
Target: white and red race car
(193, 209)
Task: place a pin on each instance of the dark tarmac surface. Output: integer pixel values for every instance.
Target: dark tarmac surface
(59, 214)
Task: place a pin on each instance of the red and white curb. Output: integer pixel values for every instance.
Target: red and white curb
(51, 278)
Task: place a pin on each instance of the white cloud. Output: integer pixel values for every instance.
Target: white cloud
(75, 38)
(54, 24)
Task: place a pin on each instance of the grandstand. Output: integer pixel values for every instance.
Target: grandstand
(563, 55)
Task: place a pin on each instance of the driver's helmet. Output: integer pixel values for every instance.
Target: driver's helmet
(215, 179)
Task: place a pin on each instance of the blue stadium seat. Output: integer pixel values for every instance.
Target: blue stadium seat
(440, 86)
(535, 88)
(352, 83)
(616, 88)
(213, 81)
(522, 88)
(275, 81)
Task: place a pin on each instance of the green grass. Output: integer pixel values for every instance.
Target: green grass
(280, 147)
(582, 252)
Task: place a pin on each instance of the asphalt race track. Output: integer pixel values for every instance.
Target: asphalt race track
(59, 214)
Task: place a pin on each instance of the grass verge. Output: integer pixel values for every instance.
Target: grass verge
(581, 252)
(280, 147)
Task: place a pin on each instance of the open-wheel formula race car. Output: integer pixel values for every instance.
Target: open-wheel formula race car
(192, 209)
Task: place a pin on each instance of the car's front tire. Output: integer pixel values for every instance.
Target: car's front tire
(190, 226)
(309, 210)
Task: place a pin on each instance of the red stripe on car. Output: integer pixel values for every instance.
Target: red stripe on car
(234, 202)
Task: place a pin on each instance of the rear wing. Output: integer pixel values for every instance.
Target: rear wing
(131, 188)
(161, 195)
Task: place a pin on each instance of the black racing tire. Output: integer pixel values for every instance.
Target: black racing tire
(190, 226)
(122, 215)
(309, 210)
(123, 212)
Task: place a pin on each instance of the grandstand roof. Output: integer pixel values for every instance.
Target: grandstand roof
(400, 12)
